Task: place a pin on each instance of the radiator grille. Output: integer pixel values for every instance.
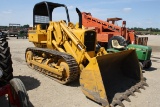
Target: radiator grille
(89, 40)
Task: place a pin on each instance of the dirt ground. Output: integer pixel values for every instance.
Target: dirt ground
(45, 92)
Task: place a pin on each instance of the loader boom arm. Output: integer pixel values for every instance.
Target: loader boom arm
(68, 38)
(72, 36)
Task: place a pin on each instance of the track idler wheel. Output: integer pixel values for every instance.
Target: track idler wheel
(66, 72)
(29, 57)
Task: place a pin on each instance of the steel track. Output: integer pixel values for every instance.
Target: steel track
(73, 66)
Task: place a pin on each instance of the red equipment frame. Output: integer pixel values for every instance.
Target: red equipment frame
(107, 29)
(8, 90)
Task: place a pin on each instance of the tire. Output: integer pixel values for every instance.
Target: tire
(121, 40)
(19, 93)
(148, 65)
(5, 61)
(1, 35)
(141, 65)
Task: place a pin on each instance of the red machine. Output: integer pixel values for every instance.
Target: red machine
(13, 87)
(108, 30)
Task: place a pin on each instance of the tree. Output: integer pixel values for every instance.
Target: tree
(26, 26)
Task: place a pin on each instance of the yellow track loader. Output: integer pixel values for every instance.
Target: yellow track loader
(66, 52)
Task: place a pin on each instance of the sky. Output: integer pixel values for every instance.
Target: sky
(137, 13)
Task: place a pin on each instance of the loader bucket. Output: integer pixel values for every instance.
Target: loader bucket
(111, 78)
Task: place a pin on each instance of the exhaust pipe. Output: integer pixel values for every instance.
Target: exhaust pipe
(80, 17)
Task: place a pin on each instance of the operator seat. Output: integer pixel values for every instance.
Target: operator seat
(116, 45)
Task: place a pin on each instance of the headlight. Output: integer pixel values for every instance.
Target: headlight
(1, 73)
